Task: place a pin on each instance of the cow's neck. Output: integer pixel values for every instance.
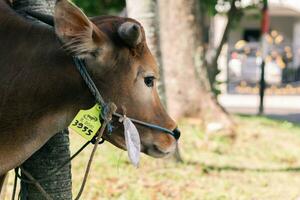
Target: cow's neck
(39, 95)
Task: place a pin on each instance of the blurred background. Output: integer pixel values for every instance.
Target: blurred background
(230, 74)
(224, 39)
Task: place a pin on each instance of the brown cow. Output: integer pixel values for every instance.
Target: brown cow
(41, 90)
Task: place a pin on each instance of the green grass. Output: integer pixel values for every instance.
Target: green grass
(261, 162)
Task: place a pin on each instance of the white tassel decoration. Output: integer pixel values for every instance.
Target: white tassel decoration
(132, 140)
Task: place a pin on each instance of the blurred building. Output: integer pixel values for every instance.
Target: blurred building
(240, 60)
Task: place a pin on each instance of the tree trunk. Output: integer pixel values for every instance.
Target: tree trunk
(146, 12)
(212, 64)
(56, 150)
(187, 84)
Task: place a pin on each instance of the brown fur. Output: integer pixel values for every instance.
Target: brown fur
(41, 90)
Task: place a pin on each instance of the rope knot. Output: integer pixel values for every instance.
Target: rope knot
(108, 110)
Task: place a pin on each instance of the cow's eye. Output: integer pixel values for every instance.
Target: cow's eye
(149, 81)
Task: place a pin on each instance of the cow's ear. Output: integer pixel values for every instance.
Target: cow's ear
(78, 34)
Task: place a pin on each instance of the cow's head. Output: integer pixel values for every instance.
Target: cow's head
(123, 69)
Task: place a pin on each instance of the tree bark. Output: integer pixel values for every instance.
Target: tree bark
(212, 64)
(49, 157)
(187, 84)
(56, 150)
(146, 12)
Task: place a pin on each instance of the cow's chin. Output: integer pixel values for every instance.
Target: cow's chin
(155, 152)
(151, 149)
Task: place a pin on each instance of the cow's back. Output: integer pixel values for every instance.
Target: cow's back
(32, 63)
(35, 74)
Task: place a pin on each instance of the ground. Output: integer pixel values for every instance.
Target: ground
(262, 162)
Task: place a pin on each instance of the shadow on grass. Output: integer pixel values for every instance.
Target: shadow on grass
(293, 118)
(208, 168)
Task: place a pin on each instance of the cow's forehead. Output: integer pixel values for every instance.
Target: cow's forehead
(148, 62)
(110, 25)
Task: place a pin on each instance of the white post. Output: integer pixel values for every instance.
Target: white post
(296, 44)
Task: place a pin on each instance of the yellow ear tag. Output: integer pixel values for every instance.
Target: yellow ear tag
(87, 122)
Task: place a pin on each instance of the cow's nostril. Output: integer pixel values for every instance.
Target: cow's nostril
(155, 147)
(176, 133)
